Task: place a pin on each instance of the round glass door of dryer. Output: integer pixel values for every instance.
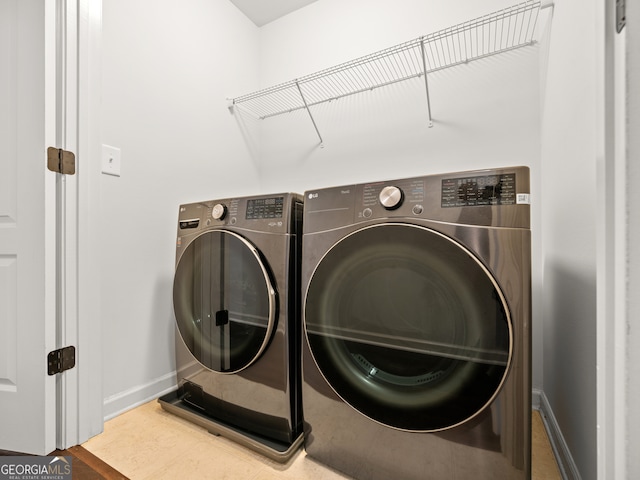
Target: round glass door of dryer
(408, 327)
(224, 301)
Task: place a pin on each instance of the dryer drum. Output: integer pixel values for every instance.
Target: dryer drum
(408, 327)
(224, 301)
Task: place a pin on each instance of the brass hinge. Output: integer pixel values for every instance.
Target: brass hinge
(60, 360)
(61, 161)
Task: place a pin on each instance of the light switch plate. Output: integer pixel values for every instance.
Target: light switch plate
(111, 160)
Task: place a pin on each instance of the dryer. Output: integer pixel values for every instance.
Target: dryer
(237, 311)
(417, 308)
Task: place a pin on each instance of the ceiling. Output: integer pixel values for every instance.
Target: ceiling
(262, 12)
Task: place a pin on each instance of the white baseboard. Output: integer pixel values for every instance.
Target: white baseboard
(134, 397)
(567, 466)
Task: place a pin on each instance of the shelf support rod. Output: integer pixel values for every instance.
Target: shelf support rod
(426, 83)
(306, 106)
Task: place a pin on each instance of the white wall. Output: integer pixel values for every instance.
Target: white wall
(569, 147)
(167, 70)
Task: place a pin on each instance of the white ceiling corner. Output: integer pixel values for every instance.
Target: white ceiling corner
(262, 12)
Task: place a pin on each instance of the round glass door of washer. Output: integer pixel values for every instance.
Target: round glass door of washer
(224, 301)
(408, 327)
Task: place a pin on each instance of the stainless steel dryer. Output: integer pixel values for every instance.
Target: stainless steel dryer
(417, 307)
(237, 311)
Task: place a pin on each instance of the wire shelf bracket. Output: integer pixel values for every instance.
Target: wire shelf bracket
(507, 29)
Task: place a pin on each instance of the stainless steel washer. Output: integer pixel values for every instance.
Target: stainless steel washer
(417, 307)
(237, 310)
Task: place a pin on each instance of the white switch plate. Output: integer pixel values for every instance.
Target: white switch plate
(110, 160)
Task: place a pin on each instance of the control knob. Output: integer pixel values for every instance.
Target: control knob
(218, 211)
(391, 197)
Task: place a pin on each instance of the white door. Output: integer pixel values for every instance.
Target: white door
(49, 96)
(27, 228)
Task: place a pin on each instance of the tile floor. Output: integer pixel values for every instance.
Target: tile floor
(150, 443)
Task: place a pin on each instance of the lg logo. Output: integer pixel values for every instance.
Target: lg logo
(312, 196)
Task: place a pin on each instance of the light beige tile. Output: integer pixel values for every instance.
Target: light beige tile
(198, 461)
(151, 443)
(543, 462)
(136, 441)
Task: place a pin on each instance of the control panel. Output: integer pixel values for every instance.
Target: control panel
(261, 208)
(485, 190)
(265, 213)
(498, 197)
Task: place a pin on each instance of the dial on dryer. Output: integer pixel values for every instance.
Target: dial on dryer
(218, 211)
(391, 197)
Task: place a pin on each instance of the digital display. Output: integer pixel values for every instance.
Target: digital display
(189, 223)
(262, 208)
(479, 191)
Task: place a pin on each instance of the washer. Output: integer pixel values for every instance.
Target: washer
(238, 329)
(417, 307)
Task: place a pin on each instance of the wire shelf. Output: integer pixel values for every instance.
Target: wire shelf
(507, 29)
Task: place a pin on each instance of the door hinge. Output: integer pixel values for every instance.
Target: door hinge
(60, 360)
(61, 161)
(621, 15)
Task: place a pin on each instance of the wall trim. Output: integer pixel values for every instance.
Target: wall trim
(566, 464)
(134, 397)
